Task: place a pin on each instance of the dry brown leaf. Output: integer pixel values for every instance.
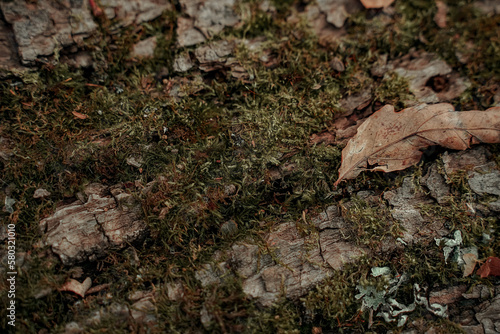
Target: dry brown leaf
(470, 260)
(77, 287)
(79, 115)
(98, 288)
(442, 11)
(96, 10)
(376, 3)
(389, 141)
(490, 268)
(326, 138)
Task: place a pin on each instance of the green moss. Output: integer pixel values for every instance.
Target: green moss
(372, 225)
(250, 136)
(224, 308)
(393, 90)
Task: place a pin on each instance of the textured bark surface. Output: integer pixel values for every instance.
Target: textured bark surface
(204, 19)
(431, 79)
(289, 263)
(238, 111)
(84, 230)
(41, 27)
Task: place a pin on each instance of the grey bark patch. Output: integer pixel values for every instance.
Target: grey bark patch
(487, 7)
(129, 12)
(292, 264)
(489, 315)
(485, 182)
(144, 48)
(494, 206)
(175, 291)
(39, 29)
(436, 184)
(337, 11)
(214, 55)
(41, 193)
(8, 55)
(43, 26)
(6, 145)
(187, 34)
(420, 68)
(83, 231)
(357, 101)
(464, 160)
(205, 19)
(405, 201)
(182, 63)
(479, 291)
(211, 274)
(447, 296)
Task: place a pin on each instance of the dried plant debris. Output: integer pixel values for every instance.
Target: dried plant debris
(85, 229)
(470, 261)
(181, 87)
(356, 101)
(391, 141)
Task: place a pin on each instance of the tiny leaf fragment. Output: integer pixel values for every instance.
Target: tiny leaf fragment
(77, 287)
(491, 267)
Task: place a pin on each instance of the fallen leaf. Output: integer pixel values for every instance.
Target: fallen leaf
(79, 115)
(326, 138)
(442, 11)
(389, 141)
(77, 287)
(469, 263)
(96, 10)
(490, 268)
(376, 3)
(98, 288)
